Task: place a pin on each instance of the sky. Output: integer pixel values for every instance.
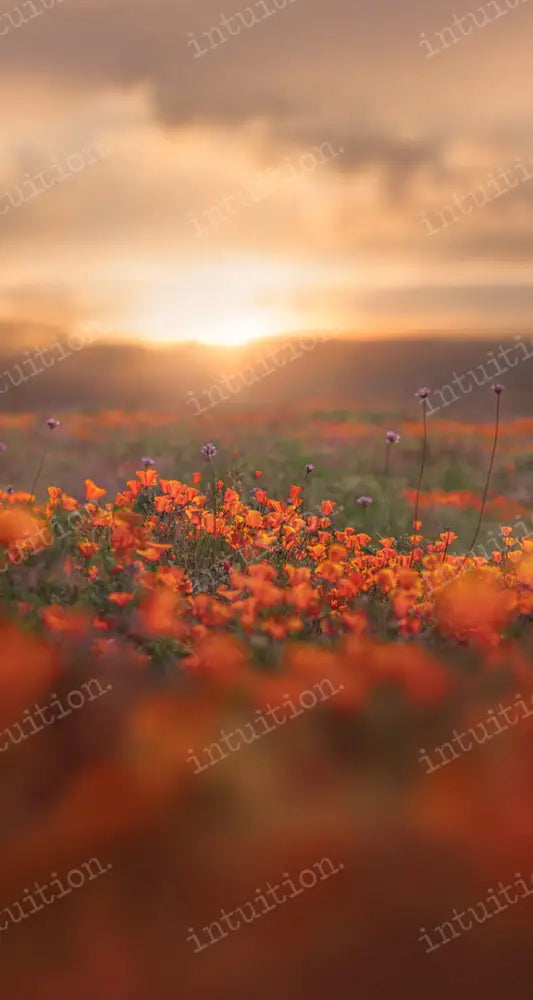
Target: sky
(176, 170)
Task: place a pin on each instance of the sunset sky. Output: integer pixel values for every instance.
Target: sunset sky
(184, 195)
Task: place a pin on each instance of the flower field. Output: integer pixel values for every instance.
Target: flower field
(233, 650)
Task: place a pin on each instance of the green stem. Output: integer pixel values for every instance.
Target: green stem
(421, 473)
(39, 470)
(386, 490)
(214, 484)
(487, 482)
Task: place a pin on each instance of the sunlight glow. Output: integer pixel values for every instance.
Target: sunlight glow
(224, 303)
(229, 330)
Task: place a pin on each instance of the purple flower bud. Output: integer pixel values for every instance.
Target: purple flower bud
(209, 450)
(52, 423)
(147, 462)
(392, 437)
(364, 501)
(309, 469)
(423, 393)
(498, 388)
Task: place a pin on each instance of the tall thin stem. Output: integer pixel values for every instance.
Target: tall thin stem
(214, 488)
(387, 459)
(386, 489)
(39, 470)
(422, 467)
(487, 482)
(423, 461)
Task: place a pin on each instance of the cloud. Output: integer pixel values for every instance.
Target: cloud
(187, 132)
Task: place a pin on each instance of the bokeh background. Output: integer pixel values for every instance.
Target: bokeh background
(172, 215)
(111, 235)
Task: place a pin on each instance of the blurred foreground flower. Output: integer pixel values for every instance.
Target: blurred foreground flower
(28, 665)
(16, 525)
(475, 607)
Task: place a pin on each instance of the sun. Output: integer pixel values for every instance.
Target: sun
(236, 330)
(221, 303)
(229, 328)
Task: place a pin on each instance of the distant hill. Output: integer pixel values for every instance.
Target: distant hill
(377, 375)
